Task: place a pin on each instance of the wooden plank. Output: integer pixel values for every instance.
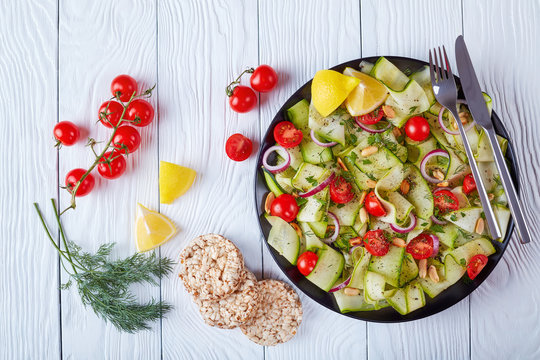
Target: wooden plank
(99, 40)
(503, 44)
(307, 37)
(29, 324)
(202, 47)
(410, 28)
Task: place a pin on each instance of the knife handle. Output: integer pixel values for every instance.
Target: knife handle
(510, 190)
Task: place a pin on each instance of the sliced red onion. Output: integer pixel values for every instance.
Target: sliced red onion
(435, 245)
(279, 167)
(429, 155)
(447, 130)
(441, 188)
(337, 227)
(319, 142)
(437, 221)
(408, 228)
(351, 250)
(340, 286)
(318, 188)
(368, 128)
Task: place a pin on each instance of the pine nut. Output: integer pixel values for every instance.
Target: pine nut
(388, 111)
(433, 274)
(399, 242)
(355, 241)
(362, 197)
(464, 117)
(438, 174)
(443, 184)
(371, 183)
(404, 187)
(422, 268)
(479, 228)
(297, 229)
(351, 291)
(363, 215)
(341, 164)
(268, 202)
(370, 150)
(396, 131)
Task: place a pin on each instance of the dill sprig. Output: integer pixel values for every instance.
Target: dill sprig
(104, 284)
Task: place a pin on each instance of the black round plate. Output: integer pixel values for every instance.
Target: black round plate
(443, 301)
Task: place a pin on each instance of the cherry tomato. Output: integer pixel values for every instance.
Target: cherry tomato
(110, 113)
(126, 139)
(476, 264)
(285, 207)
(372, 118)
(87, 184)
(263, 79)
(417, 128)
(238, 147)
(373, 205)
(287, 135)
(445, 201)
(375, 242)
(112, 165)
(341, 191)
(421, 247)
(469, 185)
(140, 112)
(306, 262)
(66, 132)
(243, 99)
(123, 87)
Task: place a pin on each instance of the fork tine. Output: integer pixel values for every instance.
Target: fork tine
(448, 68)
(438, 75)
(431, 69)
(443, 70)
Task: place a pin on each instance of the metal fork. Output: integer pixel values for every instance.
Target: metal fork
(445, 90)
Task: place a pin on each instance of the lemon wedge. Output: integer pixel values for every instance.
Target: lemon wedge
(174, 181)
(329, 89)
(367, 96)
(152, 229)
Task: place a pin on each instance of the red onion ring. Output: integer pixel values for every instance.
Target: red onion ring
(409, 228)
(340, 286)
(440, 189)
(437, 221)
(351, 250)
(368, 129)
(318, 188)
(435, 239)
(283, 153)
(429, 155)
(319, 142)
(337, 227)
(447, 130)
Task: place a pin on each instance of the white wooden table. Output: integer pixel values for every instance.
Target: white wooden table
(56, 63)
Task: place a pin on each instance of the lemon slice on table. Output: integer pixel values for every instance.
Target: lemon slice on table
(367, 96)
(174, 181)
(329, 89)
(152, 229)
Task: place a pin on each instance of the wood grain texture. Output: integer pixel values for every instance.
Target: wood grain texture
(503, 44)
(29, 320)
(202, 47)
(410, 28)
(99, 40)
(306, 37)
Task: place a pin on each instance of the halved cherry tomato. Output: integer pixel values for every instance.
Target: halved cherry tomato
(373, 205)
(306, 262)
(445, 201)
(476, 264)
(417, 128)
(285, 207)
(287, 135)
(421, 247)
(242, 99)
(112, 165)
(66, 133)
(123, 87)
(73, 177)
(372, 118)
(110, 112)
(263, 79)
(238, 147)
(376, 243)
(469, 185)
(341, 191)
(140, 112)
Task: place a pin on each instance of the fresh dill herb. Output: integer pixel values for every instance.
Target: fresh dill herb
(412, 109)
(310, 179)
(463, 262)
(375, 139)
(453, 217)
(366, 161)
(353, 156)
(437, 228)
(301, 201)
(497, 179)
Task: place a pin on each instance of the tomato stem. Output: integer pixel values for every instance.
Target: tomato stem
(230, 88)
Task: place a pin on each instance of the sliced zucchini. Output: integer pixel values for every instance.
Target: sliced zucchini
(464, 253)
(311, 241)
(389, 265)
(410, 101)
(296, 157)
(409, 270)
(398, 300)
(347, 303)
(417, 150)
(447, 233)
(271, 183)
(346, 213)
(373, 286)
(465, 218)
(328, 268)
(309, 176)
(359, 271)
(389, 74)
(331, 128)
(389, 140)
(415, 297)
(360, 179)
(503, 218)
(377, 164)
(453, 271)
(319, 227)
(315, 154)
(419, 193)
(298, 114)
(284, 239)
(315, 207)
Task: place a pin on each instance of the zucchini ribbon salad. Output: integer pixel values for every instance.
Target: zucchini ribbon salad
(371, 195)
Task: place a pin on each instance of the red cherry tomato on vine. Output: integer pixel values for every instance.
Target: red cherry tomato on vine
(285, 207)
(469, 185)
(110, 113)
(287, 135)
(373, 205)
(123, 86)
(421, 247)
(243, 99)
(372, 118)
(445, 201)
(341, 191)
(263, 79)
(140, 112)
(306, 262)
(417, 128)
(66, 132)
(126, 139)
(375, 242)
(112, 165)
(476, 264)
(238, 147)
(87, 184)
